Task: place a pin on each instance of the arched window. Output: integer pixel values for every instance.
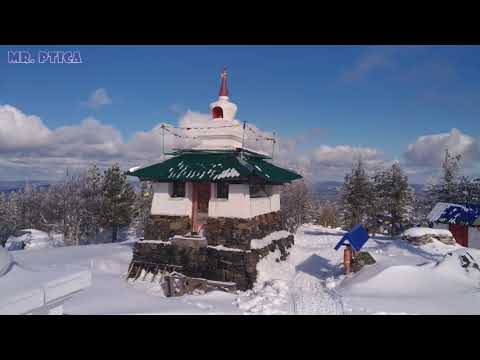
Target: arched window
(217, 112)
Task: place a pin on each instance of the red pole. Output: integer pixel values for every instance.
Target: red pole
(347, 258)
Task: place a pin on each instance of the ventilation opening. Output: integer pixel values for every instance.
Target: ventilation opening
(217, 112)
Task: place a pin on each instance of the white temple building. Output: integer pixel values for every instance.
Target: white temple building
(218, 177)
(216, 205)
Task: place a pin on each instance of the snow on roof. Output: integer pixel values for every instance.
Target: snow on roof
(438, 210)
(449, 213)
(215, 165)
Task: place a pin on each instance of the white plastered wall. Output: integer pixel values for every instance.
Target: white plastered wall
(238, 205)
(474, 237)
(164, 204)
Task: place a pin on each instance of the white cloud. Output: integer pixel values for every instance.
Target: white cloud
(89, 139)
(98, 98)
(333, 162)
(30, 150)
(379, 57)
(373, 58)
(19, 131)
(33, 151)
(342, 155)
(429, 150)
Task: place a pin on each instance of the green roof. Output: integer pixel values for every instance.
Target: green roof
(215, 167)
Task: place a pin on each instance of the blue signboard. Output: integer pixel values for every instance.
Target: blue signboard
(356, 238)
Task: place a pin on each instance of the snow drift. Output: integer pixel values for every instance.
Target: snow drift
(32, 239)
(5, 261)
(422, 231)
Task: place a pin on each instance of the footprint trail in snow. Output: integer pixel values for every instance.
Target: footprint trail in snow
(310, 297)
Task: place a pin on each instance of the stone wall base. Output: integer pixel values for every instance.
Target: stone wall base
(237, 233)
(229, 232)
(238, 266)
(163, 227)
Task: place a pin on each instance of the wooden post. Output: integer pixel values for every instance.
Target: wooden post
(163, 141)
(171, 286)
(137, 275)
(347, 258)
(243, 138)
(130, 267)
(273, 145)
(194, 206)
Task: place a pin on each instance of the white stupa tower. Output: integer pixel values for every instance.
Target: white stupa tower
(225, 132)
(223, 109)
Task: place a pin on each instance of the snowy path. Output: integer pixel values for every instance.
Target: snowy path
(299, 285)
(311, 297)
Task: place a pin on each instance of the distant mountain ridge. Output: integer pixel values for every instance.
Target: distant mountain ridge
(327, 190)
(10, 186)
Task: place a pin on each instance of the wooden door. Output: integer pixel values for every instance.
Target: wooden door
(460, 233)
(200, 200)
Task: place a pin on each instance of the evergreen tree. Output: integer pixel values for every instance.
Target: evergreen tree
(395, 198)
(91, 194)
(357, 199)
(466, 191)
(448, 189)
(118, 200)
(476, 191)
(143, 204)
(5, 221)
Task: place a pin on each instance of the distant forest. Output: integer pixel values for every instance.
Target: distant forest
(82, 206)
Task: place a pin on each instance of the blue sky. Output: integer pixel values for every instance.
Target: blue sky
(378, 97)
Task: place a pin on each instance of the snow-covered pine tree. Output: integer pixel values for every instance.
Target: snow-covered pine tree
(395, 198)
(118, 200)
(6, 225)
(143, 204)
(91, 195)
(12, 214)
(466, 190)
(381, 187)
(448, 189)
(476, 191)
(357, 199)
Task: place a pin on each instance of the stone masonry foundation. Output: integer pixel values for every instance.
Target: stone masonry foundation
(212, 263)
(237, 233)
(230, 232)
(163, 227)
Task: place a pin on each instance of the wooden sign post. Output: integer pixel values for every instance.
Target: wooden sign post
(353, 242)
(347, 258)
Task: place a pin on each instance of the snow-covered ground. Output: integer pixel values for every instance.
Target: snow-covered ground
(32, 239)
(405, 280)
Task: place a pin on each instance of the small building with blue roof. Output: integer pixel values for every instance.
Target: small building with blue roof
(463, 220)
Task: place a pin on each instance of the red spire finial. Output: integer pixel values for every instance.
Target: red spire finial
(223, 87)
